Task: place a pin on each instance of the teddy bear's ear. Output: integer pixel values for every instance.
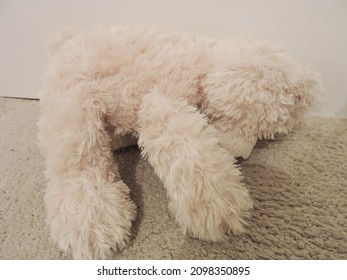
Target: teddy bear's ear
(63, 34)
(306, 90)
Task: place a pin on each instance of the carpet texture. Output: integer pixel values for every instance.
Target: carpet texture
(298, 183)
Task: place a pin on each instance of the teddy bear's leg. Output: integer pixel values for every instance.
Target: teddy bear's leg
(204, 186)
(88, 208)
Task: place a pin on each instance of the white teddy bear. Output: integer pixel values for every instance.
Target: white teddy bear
(192, 104)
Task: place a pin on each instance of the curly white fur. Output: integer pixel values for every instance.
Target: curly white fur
(193, 103)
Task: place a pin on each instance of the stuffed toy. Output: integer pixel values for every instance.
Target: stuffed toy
(192, 104)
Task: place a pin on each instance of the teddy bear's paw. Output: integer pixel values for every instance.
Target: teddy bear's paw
(92, 223)
(215, 212)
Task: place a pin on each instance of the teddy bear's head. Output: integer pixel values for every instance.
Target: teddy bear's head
(258, 92)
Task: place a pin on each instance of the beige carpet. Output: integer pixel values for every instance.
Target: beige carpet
(298, 183)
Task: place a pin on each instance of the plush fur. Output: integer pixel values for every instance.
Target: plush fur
(192, 103)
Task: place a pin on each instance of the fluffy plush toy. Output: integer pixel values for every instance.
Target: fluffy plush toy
(192, 104)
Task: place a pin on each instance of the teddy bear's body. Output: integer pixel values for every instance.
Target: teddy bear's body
(193, 104)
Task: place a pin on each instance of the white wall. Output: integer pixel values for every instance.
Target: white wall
(313, 30)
